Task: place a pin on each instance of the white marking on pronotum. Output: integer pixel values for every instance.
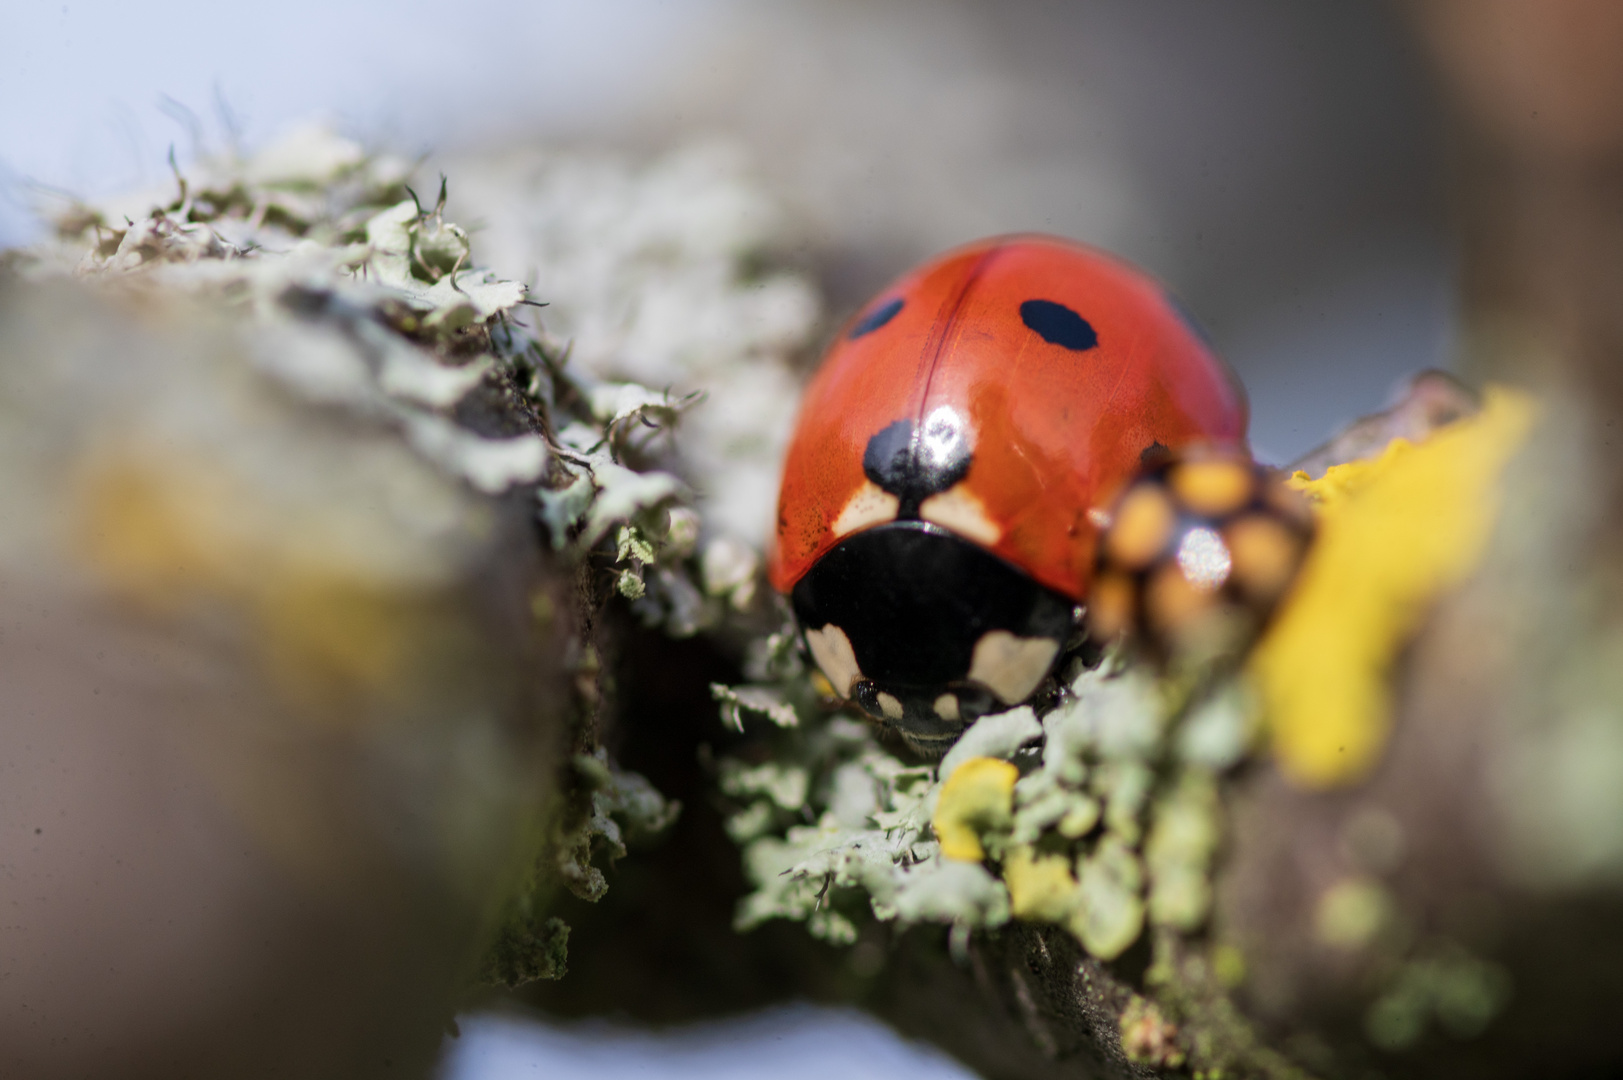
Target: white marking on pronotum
(832, 651)
(1010, 666)
(946, 707)
(869, 506)
(959, 510)
(890, 706)
(1204, 559)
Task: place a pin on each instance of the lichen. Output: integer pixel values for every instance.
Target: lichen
(1393, 534)
(618, 806)
(975, 799)
(1053, 811)
(529, 946)
(662, 273)
(659, 393)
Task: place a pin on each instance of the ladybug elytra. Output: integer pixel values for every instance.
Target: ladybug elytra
(939, 519)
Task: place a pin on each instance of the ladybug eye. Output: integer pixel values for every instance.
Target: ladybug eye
(1058, 325)
(876, 318)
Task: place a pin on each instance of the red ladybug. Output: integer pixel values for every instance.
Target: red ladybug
(937, 523)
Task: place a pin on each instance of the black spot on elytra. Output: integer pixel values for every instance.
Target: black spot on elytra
(1154, 455)
(1058, 325)
(876, 318)
(913, 464)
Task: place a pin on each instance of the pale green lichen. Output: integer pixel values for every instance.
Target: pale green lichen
(999, 737)
(1184, 834)
(784, 785)
(661, 273)
(960, 893)
(1104, 815)
(619, 807)
(1058, 807)
(764, 700)
(358, 296)
(1109, 912)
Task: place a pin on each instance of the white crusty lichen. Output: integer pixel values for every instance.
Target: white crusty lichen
(658, 311)
(359, 296)
(655, 274)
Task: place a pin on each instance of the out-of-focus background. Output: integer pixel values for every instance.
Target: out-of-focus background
(1275, 162)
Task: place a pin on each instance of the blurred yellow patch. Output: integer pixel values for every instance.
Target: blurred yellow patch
(977, 798)
(1393, 533)
(1040, 886)
(165, 535)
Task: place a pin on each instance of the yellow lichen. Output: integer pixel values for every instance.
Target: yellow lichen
(977, 798)
(1040, 886)
(1394, 532)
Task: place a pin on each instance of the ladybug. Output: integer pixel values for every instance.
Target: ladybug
(1198, 553)
(954, 458)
